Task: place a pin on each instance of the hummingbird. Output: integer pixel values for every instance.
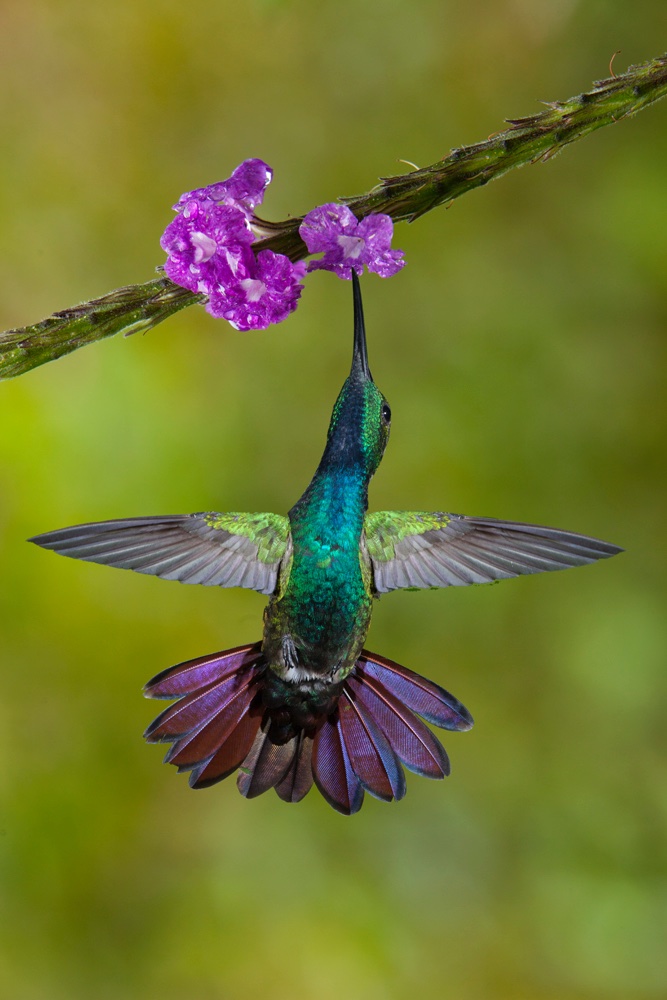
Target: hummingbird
(308, 703)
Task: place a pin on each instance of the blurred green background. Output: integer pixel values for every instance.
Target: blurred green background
(522, 350)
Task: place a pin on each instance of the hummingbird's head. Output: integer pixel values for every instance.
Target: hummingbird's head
(361, 418)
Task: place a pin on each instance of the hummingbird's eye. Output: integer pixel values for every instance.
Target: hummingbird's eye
(386, 413)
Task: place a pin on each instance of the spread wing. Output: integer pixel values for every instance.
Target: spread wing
(218, 550)
(416, 549)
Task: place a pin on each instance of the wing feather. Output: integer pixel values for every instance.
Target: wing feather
(217, 550)
(417, 549)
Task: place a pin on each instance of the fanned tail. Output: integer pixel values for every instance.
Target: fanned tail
(376, 728)
(298, 779)
(214, 724)
(266, 764)
(231, 715)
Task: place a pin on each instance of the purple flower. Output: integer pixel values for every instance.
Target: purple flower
(244, 190)
(265, 289)
(209, 249)
(204, 245)
(348, 243)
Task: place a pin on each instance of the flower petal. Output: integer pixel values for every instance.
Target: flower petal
(244, 190)
(266, 293)
(386, 264)
(203, 245)
(248, 183)
(321, 227)
(348, 244)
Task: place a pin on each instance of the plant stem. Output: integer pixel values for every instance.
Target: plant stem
(131, 309)
(403, 197)
(527, 140)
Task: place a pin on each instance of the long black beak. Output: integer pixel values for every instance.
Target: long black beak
(359, 355)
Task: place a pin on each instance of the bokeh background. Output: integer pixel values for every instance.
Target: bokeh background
(523, 351)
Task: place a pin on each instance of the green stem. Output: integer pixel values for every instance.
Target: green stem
(131, 309)
(403, 197)
(527, 140)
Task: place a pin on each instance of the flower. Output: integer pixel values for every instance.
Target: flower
(209, 249)
(244, 190)
(204, 245)
(348, 243)
(209, 252)
(265, 290)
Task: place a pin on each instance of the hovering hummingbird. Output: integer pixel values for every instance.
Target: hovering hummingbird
(308, 701)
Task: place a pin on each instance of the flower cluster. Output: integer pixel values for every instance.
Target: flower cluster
(209, 249)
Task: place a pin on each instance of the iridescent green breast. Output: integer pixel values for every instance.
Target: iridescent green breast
(325, 608)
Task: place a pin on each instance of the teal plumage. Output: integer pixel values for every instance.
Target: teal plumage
(308, 702)
(327, 599)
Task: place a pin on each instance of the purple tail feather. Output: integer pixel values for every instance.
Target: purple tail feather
(298, 779)
(222, 723)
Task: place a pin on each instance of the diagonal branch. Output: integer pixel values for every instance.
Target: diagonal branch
(403, 197)
(132, 309)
